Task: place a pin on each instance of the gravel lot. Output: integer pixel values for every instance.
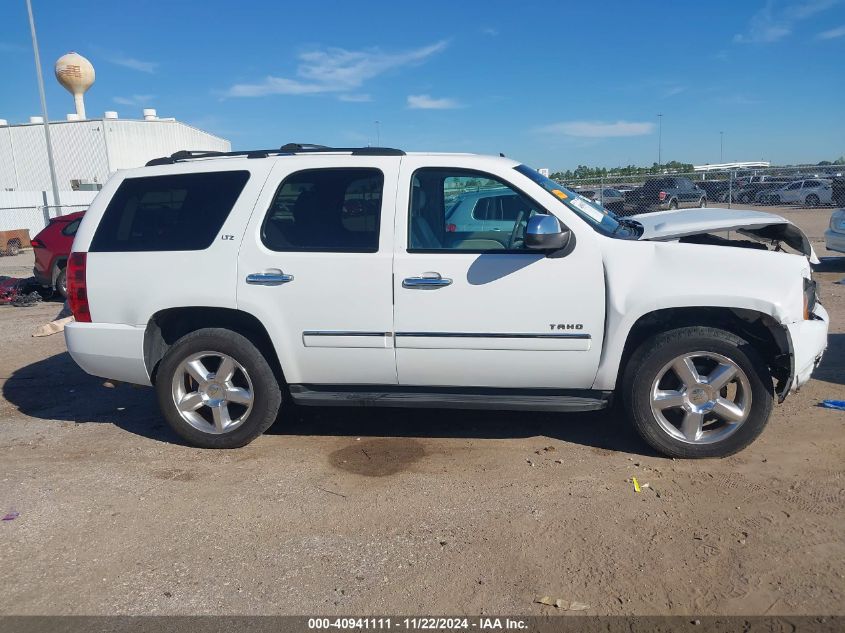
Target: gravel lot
(406, 512)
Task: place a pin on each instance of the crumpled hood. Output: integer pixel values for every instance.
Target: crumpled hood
(670, 225)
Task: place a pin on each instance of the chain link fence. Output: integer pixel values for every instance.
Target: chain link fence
(32, 210)
(629, 194)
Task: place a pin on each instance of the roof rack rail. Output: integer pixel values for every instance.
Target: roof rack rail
(287, 149)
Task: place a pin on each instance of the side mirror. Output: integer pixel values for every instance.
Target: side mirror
(545, 233)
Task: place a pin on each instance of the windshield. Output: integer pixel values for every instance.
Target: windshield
(596, 215)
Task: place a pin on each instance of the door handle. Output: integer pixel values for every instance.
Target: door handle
(426, 281)
(270, 278)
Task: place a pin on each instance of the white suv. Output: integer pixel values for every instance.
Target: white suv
(232, 282)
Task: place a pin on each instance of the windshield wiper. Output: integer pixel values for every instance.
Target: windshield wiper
(627, 223)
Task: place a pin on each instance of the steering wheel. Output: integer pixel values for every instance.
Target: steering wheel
(512, 239)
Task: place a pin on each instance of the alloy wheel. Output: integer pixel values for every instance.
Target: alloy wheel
(701, 397)
(212, 392)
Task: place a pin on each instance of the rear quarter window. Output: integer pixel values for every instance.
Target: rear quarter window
(183, 212)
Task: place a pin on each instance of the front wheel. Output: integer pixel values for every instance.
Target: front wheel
(698, 392)
(702, 203)
(216, 389)
(673, 205)
(812, 200)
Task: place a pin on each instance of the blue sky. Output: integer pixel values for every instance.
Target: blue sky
(550, 83)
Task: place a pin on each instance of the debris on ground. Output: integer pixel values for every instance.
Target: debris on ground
(11, 515)
(19, 292)
(560, 603)
(546, 449)
(834, 404)
(636, 484)
(53, 327)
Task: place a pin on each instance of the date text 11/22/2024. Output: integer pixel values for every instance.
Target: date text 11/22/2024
(421, 623)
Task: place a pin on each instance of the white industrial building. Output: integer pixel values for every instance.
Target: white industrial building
(87, 151)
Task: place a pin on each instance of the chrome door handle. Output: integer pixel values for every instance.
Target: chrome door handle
(426, 281)
(269, 279)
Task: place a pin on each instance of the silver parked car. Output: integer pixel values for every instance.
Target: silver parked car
(834, 237)
(608, 197)
(811, 192)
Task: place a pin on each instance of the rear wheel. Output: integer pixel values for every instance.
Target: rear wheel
(13, 247)
(673, 204)
(61, 283)
(702, 203)
(812, 200)
(216, 389)
(698, 392)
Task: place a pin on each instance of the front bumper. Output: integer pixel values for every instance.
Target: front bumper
(834, 241)
(108, 350)
(808, 340)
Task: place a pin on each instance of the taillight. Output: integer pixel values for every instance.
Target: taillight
(77, 291)
(661, 196)
(451, 228)
(36, 243)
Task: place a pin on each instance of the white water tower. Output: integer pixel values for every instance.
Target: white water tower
(76, 74)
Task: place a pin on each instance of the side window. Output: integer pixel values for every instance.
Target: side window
(70, 229)
(463, 210)
(794, 185)
(328, 210)
(183, 212)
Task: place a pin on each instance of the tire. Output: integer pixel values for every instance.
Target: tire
(745, 199)
(702, 203)
(812, 200)
(673, 205)
(61, 283)
(642, 379)
(13, 247)
(251, 376)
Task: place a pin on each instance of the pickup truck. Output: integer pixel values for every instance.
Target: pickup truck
(662, 194)
(232, 282)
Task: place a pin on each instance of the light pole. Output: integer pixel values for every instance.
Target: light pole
(659, 140)
(721, 147)
(378, 133)
(50, 162)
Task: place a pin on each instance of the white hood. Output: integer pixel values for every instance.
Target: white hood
(671, 225)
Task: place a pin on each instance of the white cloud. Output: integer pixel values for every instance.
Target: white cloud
(134, 64)
(356, 98)
(672, 91)
(335, 70)
(134, 100)
(773, 22)
(489, 30)
(832, 33)
(427, 102)
(599, 129)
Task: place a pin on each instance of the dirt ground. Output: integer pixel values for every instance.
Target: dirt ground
(356, 511)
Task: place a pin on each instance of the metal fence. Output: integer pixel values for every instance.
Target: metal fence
(758, 186)
(32, 210)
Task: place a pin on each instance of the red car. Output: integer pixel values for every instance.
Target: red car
(51, 247)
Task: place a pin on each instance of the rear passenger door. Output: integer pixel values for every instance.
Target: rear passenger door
(315, 267)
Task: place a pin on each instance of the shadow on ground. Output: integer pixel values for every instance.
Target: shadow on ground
(56, 389)
(832, 367)
(830, 265)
